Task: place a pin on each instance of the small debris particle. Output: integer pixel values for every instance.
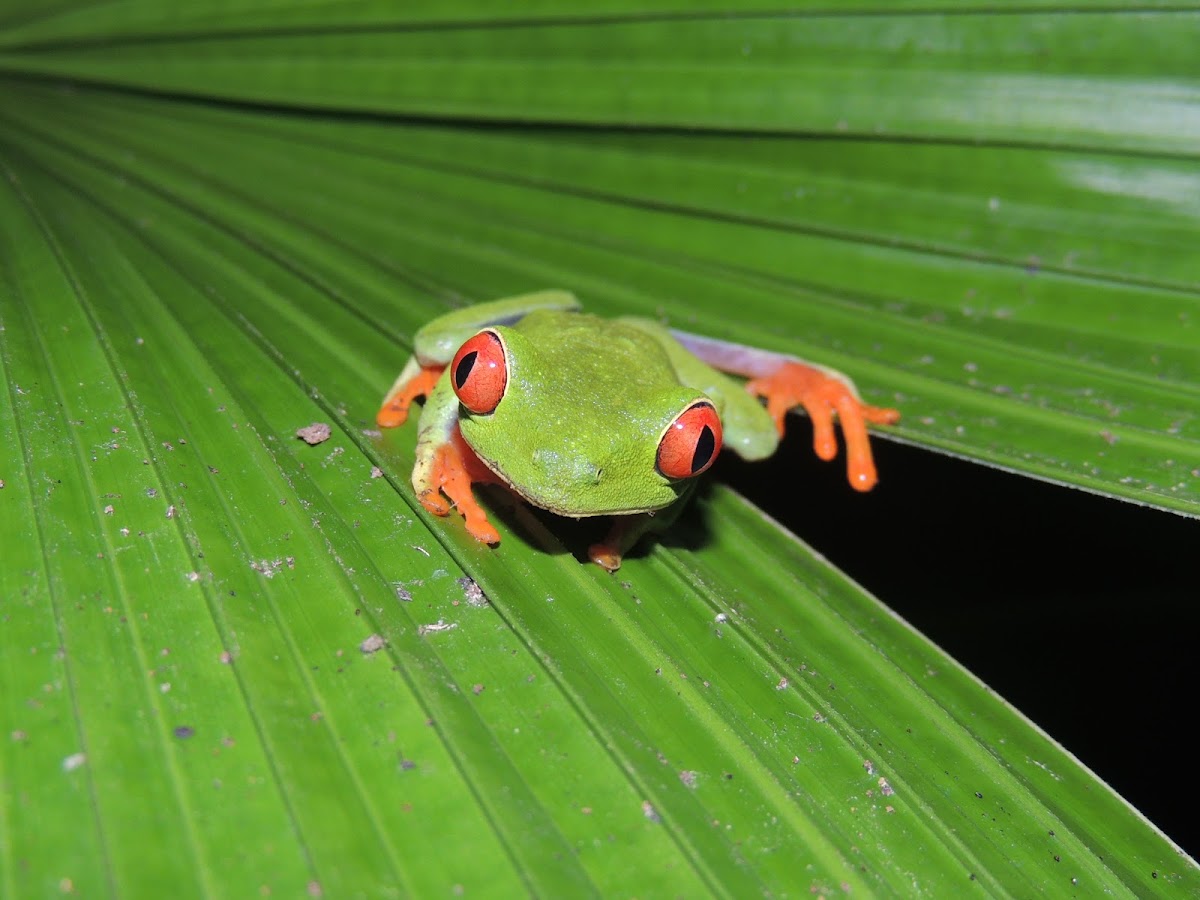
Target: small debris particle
(66, 885)
(18, 735)
(869, 766)
(1108, 436)
(433, 627)
(889, 808)
(373, 644)
(586, 810)
(316, 433)
(688, 777)
(165, 687)
(817, 717)
(168, 445)
(124, 532)
(402, 594)
(376, 472)
(171, 511)
(979, 795)
(108, 510)
(74, 761)
(1, 484)
(729, 776)
(193, 576)
(477, 689)
(184, 732)
(226, 657)
(1057, 858)
(407, 765)
(213, 470)
(721, 618)
(782, 685)
(152, 492)
(886, 789)
(474, 594)
(267, 567)
(795, 760)
(314, 889)
(650, 812)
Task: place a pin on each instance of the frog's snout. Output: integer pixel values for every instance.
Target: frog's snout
(565, 469)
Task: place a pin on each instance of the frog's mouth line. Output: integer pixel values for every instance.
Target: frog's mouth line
(541, 503)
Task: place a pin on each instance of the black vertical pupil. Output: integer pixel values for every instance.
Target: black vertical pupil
(706, 444)
(463, 370)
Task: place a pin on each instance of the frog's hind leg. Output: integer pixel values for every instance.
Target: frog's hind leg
(413, 382)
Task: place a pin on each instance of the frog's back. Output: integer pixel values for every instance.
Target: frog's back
(608, 353)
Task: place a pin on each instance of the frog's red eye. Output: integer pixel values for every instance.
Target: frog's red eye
(479, 372)
(691, 442)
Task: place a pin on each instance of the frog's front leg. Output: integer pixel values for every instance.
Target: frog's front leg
(628, 530)
(447, 465)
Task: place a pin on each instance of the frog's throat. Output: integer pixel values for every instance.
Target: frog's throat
(542, 503)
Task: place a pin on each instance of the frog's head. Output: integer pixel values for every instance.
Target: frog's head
(581, 429)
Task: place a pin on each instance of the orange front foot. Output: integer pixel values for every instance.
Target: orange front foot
(821, 395)
(607, 553)
(455, 469)
(395, 409)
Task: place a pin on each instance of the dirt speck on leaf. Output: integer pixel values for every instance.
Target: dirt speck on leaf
(650, 812)
(373, 644)
(434, 627)
(316, 433)
(74, 761)
(267, 567)
(688, 777)
(474, 594)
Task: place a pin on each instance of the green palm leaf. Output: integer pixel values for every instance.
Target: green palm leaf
(984, 217)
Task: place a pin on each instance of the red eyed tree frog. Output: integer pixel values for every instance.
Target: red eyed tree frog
(585, 416)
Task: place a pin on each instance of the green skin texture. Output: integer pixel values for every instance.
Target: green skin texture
(586, 403)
